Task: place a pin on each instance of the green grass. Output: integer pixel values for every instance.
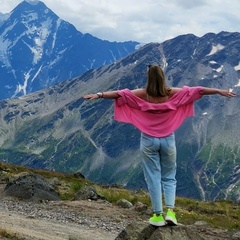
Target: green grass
(72, 238)
(9, 235)
(113, 194)
(224, 214)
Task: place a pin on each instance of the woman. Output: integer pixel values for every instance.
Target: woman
(157, 111)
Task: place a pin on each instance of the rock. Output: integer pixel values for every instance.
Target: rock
(29, 186)
(141, 207)
(79, 175)
(236, 236)
(54, 181)
(140, 231)
(124, 203)
(143, 231)
(200, 223)
(87, 192)
(131, 232)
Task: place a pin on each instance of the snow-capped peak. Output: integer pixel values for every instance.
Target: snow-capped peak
(33, 2)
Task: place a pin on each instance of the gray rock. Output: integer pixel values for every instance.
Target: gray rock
(200, 223)
(124, 203)
(236, 236)
(87, 192)
(54, 181)
(29, 186)
(141, 207)
(79, 175)
(139, 231)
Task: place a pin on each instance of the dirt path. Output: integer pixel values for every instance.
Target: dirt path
(38, 229)
(64, 220)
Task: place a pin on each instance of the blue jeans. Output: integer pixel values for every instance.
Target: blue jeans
(159, 167)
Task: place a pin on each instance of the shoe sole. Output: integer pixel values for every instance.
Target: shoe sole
(162, 224)
(170, 221)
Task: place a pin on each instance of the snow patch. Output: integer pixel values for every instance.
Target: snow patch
(219, 69)
(31, 17)
(140, 45)
(237, 67)
(5, 44)
(40, 37)
(215, 49)
(165, 63)
(55, 33)
(36, 74)
(114, 57)
(238, 84)
(33, 2)
(212, 62)
(22, 88)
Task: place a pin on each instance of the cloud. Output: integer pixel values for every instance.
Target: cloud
(144, 20)
(189, 4)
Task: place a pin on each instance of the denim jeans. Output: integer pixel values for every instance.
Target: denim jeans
(159, 167)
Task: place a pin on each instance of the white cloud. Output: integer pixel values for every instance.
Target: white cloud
(144, 20)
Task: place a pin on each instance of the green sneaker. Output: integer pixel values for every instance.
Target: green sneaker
(157, 221)
(171, 218)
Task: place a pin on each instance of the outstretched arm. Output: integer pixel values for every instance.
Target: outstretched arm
(109, 95)
(222, 92)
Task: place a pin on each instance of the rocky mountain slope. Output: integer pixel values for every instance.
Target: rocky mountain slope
(38, 50)
(57, 130)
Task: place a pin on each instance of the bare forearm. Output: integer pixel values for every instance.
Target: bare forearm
(108, 95)
(210, 91)
(222, 92)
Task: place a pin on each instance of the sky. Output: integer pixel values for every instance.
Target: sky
(143, 21)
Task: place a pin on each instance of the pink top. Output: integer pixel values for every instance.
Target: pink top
(156, 119)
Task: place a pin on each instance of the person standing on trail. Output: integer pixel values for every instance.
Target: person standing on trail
(158, 111)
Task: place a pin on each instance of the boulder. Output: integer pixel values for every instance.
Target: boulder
(124, 203)
(29, 186)
(144, 231)
(87, 192)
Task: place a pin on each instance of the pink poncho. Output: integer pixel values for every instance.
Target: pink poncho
(156, 119)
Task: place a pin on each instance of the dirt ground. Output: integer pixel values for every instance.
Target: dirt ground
(99, 220)
(36, 229)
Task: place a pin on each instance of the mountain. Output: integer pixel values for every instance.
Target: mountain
(38, 50)
(56, 129)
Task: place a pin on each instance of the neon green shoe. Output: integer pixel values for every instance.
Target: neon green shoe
(171, 218)
(157, 221)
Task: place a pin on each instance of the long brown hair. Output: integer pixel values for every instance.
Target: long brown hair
(156, 83)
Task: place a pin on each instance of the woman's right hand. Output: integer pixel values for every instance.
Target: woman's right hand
(227, 93)
(91, 96)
